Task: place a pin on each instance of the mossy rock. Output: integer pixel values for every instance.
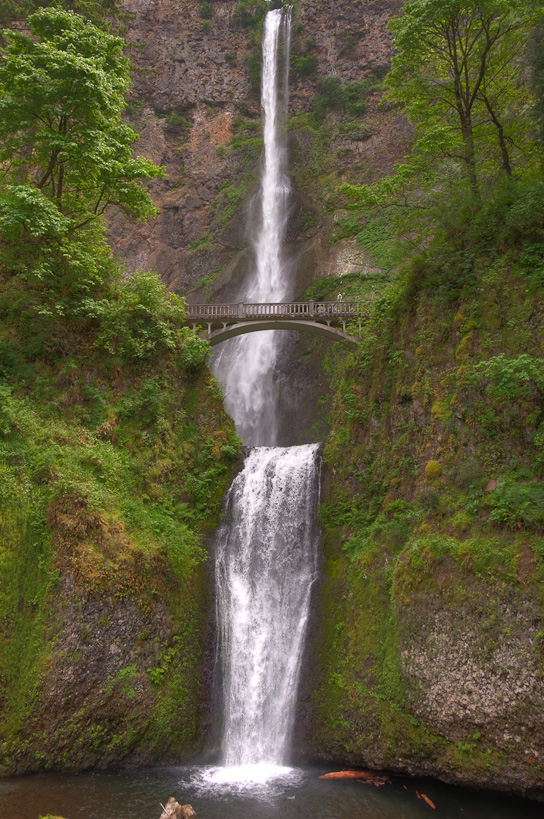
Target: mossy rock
(433, 470)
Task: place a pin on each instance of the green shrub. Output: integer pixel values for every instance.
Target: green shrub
(303, 63)
(194, 351)
(253, 63)
(139, 319)
(204, 243)
(517, 505)
(353, 97)
(509, 379)
(433, 470)
(349, 97)
(177, 120)
(348, 44)
(249, 13)
(525, 217)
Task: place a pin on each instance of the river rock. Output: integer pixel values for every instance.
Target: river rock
(174, 810)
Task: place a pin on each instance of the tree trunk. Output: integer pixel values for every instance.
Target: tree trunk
(505, 156)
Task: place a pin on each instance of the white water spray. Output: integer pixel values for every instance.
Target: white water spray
(246, 365)
(265, 567)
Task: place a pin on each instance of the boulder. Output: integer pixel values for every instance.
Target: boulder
(173, 810)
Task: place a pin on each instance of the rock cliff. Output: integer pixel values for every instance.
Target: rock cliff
(105, 606)
(427, 650)
(196, 105)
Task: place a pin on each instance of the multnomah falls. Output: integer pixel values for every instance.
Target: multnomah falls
(266, 548)
(295, 573)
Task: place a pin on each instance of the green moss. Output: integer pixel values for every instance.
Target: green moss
(204, 243)
(111, 468)
(433, 470)
(431, 513)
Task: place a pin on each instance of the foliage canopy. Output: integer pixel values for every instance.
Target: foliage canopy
(459, 76)
(66, 155)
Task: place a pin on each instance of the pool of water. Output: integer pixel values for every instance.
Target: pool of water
(215, 793)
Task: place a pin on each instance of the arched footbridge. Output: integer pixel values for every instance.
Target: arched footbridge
(328, 319)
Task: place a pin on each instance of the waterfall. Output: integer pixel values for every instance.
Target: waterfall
(266, 545)
(246, 365)
(265, 567)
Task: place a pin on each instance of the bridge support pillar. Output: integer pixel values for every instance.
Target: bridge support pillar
(241, 311)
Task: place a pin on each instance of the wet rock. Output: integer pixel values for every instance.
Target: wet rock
(173, 810)
(200, 81)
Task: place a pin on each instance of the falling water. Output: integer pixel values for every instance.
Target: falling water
(265, 567)
(266, 546)
(245, 365)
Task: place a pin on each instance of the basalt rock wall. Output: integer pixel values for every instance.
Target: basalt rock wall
(196, 106)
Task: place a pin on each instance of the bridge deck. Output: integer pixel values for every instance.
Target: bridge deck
(226, 321)
(301, 310)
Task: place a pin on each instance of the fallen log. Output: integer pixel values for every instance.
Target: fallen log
(370, 777)
(350, 775)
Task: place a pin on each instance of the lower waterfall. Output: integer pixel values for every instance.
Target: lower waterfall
(266, 562)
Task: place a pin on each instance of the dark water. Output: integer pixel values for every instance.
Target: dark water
(300, 794)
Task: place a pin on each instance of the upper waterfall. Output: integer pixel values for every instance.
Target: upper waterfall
(246, 366)
(269, 283)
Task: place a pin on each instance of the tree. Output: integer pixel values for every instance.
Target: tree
(457, 73)
(66, 156)
(93, 10)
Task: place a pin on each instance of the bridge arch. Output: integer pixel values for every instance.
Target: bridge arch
(315, 328)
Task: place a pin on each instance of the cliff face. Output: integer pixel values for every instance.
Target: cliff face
(104, 604)
(196, 105)
(189, 85)
(427, 650)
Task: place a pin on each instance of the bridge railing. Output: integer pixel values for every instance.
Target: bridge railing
(295, 309)
(211, 311)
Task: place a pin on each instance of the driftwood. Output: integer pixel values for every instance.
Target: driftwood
(370, 777)
(373, 778)
(173, 810)
(428, 801)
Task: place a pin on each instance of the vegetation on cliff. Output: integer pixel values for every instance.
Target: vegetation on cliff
(114, 444)
(430, 644)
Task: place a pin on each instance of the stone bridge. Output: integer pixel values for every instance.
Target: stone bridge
(329, 319)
